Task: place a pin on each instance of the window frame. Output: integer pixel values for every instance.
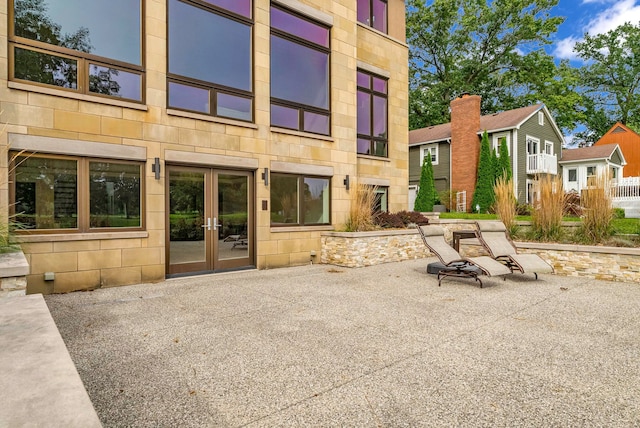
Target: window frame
(300, 200)
(301, 108)
(84, 60)
(371, 18)
(83, 202)
(372, 93)
(594, 168)
(496, 142)
(433, 149)
(212, 87)
(381, 198)
(531, 140)
(541, 118)
(575, 174)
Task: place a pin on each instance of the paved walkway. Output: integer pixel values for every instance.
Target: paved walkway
(381, 346)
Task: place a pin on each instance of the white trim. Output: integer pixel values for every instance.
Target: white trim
(496, 137)
(541, 118)
(65, 146)
(514, 159)
(428, 147)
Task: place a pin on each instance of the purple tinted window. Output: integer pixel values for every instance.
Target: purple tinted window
(234, 107)
(379, 117)
(380, 85)
(299, 74)
(364, 80)
(209, 47)
(188, 97)
(285, 117)
(299, 27)
(379, 15)
(114, 82)
(364, 11)
(316, 123)
(364, 146)
(364, 113)
(241, 7)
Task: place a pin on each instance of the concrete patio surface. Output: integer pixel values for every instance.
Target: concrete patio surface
(381, 346)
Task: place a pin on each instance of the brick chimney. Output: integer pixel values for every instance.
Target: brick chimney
(465, 144)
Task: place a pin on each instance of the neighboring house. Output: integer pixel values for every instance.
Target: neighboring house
(629, 142)
(532, 136)
(187, 136)
(578, 165)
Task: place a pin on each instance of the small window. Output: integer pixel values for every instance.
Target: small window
(540, 118)
(498, 141)
(429, 150)
(373, 13)
(381, 199)
(548, 148)
(573, 175)
(591, 171)
(76, 194)
(299, 200)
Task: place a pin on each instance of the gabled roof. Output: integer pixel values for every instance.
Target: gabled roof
(602, 152)
(491, 123)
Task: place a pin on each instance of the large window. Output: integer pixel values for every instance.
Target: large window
(210, 57)
(86, 46)
(53, 193)
(299, 200)
(372, 114)
(373, 13)
(299, 73)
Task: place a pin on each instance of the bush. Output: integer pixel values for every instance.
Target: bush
(598, 212)
(546, 218)
(618, 213)
(523, 209)
(399, 220)
(505, 204)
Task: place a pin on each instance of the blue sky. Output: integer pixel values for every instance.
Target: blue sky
(592, 16)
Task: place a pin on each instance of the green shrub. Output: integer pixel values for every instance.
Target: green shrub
(618, 213)
(483, 195)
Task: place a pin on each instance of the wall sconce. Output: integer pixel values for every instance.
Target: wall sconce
(265, 176)
(346, 182)
(155, 167)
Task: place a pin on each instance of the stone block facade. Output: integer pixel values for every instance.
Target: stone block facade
(43, 119)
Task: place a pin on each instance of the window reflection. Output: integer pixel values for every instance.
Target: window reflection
(299, 200)
(188, 97)
(114, 195)
(40, 67)
(372, 114)
(114, 82)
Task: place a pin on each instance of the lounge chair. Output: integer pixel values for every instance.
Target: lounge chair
(493, 237)
(453, 264)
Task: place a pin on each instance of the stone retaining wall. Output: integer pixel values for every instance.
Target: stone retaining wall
(359, 249)
(13, 271)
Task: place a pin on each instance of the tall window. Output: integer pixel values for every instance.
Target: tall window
(573, 175)
(373, 13)
(85, 46)
(299, 73)
(52, 193)
(299, 200)
(381, 197)
(210, 57)
(372, 114)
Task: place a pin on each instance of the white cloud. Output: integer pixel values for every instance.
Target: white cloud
(618, 12)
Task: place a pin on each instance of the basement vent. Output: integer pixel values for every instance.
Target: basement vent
(618, 130)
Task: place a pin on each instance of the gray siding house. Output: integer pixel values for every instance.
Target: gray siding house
(531, 134)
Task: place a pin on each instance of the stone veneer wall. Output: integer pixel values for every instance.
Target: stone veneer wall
(359, 249)
(13, 271)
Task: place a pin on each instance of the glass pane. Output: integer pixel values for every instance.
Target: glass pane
(364, 11)
(186, 217)
(241, 7)
(316, 123)
(234, 107)
(380, 148)
(364, 80)
(380, 201)
(44, 68)
(114, 82)
(380, 117)
(364, 146)
(364, 113)
(316, 200)
(299, 74)
(233, 209)
(380, 85)
(188, 97)
(285, 117)
(379, 17)
(209, 47)
(299, 27)
(114, 195)
(284, 199)
(108, 28)
(46, 193)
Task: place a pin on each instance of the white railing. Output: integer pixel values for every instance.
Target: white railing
(626, 189)
(542, 164)
(461, 201)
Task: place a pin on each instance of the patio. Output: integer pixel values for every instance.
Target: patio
(322, 345)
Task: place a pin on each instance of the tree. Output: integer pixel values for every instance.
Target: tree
(610, 79)
(426, 196)
(489, 48)
(504, 162)
(483, 195)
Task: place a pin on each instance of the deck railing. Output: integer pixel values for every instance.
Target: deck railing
(626, 189)
(542, 164)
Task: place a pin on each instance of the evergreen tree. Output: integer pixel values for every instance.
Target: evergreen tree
(427, 192)
(504, 162)
(484, 196)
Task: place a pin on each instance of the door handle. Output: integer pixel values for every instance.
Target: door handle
(216, 225)
(208, 225)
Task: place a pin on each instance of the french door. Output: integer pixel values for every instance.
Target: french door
(209, 220)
